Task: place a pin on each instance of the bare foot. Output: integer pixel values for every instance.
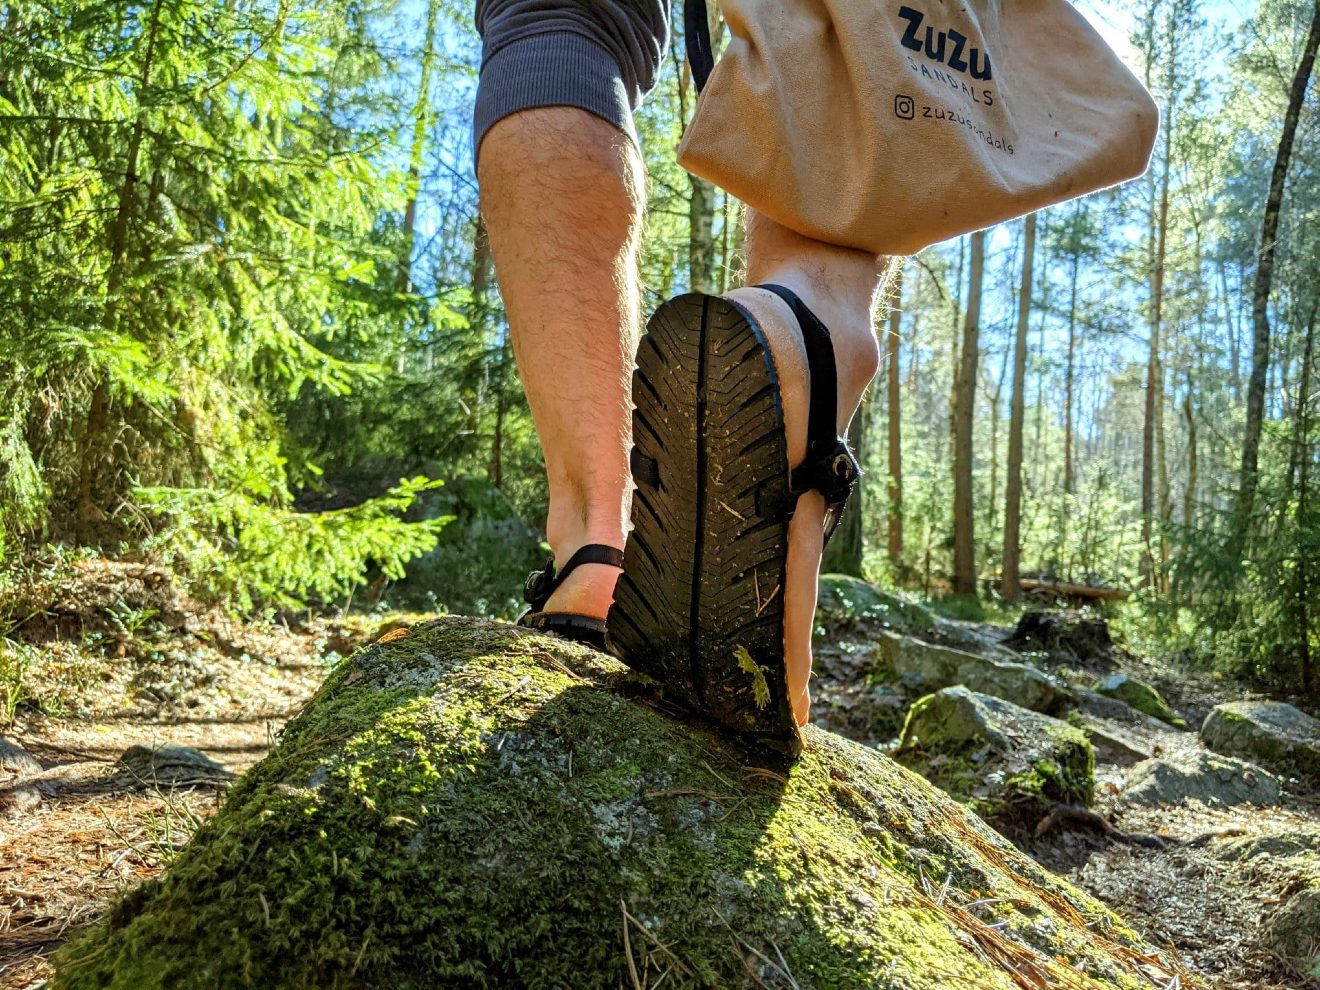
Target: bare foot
(857, 354)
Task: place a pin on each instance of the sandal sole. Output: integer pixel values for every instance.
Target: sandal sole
(700, 604)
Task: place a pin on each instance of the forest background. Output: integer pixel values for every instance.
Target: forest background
(249, 322)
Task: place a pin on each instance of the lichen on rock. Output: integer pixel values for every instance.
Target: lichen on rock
(471, 805)
(1290, 864)
(844, 597)
(1282, 737)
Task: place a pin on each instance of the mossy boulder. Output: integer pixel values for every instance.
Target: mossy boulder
(1140, 696)
(1282, 737)
(842, 597)
(925, 667)
(1011, 764)
(1197, 775)
(471, 805)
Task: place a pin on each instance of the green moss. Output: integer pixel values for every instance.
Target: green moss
(1140, 696)
(470, 806)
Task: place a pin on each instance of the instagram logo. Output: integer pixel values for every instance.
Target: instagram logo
(904, 108)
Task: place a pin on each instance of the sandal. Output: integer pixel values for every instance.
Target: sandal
(542, 584)
(700, 604)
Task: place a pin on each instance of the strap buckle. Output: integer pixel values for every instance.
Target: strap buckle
(540, 586)
(833, 472)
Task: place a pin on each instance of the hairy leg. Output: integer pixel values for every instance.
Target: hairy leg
(562, 193)
(839, 285)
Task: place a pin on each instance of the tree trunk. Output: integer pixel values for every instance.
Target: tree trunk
(1069, 402)
(1302, 569)
(1234, 333)
(894, 512)
(1260, 345)
(91, 454)
(1011, 587)
(1150, 438)
(1189, 496)
(417, 151)
(964, 515)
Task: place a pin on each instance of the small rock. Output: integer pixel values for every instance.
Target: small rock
(16, 795)
(1140, 696)
(1282, 737)
(1194, 774)
(176, 766)
(17, 760)
(1112, 745)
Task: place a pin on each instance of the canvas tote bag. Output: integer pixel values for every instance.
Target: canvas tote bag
(888, 125)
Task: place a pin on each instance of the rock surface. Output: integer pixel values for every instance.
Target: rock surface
(169, 766)
(1012, 764)
(16, 760)
(1282, 737)
(17, 765)
(926, 667)
(1194, 774)
(1140, 696)
(470, 805)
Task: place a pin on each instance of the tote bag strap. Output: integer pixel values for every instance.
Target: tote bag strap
(700, 54)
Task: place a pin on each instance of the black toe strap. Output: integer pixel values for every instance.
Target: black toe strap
(542, 584)
(830, 466)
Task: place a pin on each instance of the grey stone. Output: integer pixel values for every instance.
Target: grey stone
(17, 760)
(1112, 744)
(1194, 774)
(1282, 737)
(927, 667)
(172, 766)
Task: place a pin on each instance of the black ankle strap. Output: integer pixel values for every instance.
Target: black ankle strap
(829, 467)
(542, 584)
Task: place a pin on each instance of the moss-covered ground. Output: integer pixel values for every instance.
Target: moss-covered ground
(467, 805)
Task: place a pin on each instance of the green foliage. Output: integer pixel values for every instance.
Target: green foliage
(238, 549)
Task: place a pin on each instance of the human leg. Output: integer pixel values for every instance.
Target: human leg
(562, 192)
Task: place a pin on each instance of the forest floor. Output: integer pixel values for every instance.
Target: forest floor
(160, 672)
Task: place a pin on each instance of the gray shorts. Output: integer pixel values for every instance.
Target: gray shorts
(600, 55)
